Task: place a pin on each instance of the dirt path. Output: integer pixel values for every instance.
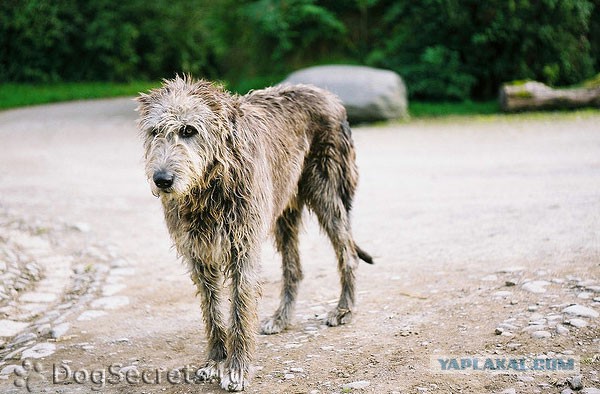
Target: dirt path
(486, 233)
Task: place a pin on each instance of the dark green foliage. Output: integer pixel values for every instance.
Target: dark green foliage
(444, 49)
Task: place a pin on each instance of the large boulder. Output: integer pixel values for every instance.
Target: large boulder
(532, 95)
(369, 94)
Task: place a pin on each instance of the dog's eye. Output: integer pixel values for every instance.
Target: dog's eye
(188, 131)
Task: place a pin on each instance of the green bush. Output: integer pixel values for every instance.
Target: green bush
(444, 49)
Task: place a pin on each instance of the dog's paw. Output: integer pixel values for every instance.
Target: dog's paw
(338, 316)
(211, 372)
(234, 380)
(272, 325)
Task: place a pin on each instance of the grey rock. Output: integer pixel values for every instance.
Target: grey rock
(112, 289)
(112, 302)
(541, 334)
(25, 337)
(580, 310)
(60, 330)
(561, 330)
(361, 384)
(38, 351)
(10, 328)
(536, 286)
(567, 391)
(11, 368)
(575, 382)
(590, 390)
(579, 323)
(509, 391)
(502, 294)
(369, 94)
(35, 296)
(91, 314)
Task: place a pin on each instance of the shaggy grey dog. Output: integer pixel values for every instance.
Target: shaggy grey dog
(229, 170)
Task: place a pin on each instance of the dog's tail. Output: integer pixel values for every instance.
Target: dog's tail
(364, 256)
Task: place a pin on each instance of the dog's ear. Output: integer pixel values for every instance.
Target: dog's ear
(234, 113)
(143, 101)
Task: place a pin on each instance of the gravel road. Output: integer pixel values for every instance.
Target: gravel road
(486, 233)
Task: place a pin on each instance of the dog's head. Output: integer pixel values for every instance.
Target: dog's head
(185, 125)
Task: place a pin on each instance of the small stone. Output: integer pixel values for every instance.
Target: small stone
(361, 384)
(81, 227)
(580, 310)
(590, 390)
(584, 295)
(508, 326)
(511, 269)
(9, 369)
(513, 345)
(535, 327)
(38, 351)
(112, 289)
(10, 328)
(125, 271)
(119, 263)
(43, 329)
(91, 314)
(128, 368)
(575, 382)
(297, 370)
(60, 329)
(525, 378)
(326, 348)
(567, 391)
(536, 286)
(579, 323)
(562, 330)
(541, 334)
(113, 302)
(490, 278)
(509, 391)
(532, 308)
(502, 294)
(288, 376)
(25, 337)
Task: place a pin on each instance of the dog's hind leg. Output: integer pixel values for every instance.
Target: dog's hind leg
(208, 282)
(327, 186)
(286, 240)
(334, 219)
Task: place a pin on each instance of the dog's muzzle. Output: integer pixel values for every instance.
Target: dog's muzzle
(163, 180)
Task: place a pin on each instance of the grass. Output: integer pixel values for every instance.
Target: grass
(419, 109)
(19, 95)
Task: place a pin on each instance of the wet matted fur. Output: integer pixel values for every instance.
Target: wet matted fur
(230, 169)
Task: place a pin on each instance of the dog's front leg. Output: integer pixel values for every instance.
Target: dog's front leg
(208, 282)
(243, 321)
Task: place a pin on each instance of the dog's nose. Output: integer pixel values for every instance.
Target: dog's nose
(163, 179)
